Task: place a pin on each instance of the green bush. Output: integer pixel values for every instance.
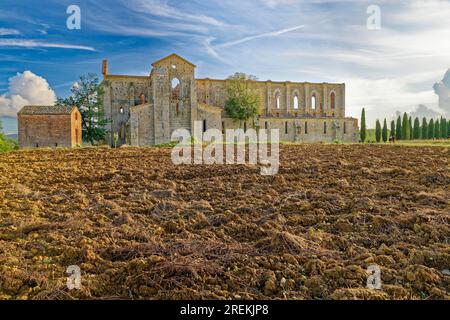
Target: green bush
(7, 145)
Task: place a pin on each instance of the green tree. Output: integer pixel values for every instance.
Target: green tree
(6, 145)
(424, 134)
(398, 132)
(431, 129)
(378, 131)
(411, 129)
(437, 129)
(243, 102)
(87, 96)
(405, 127)
(443, 128)
(384, 133)
(392, 128)
(363, 133)
(416, 130)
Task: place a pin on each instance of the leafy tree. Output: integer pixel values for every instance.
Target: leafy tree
(398, 132)
(392, 128)
(363, 133)
(378, 131)
(405, 127)
(424, 135)
(443, 128)
(6, 144)
(384, 133)
(431, 129)
(87, 95)
(243, 102)
(437, 129)
(416, 130)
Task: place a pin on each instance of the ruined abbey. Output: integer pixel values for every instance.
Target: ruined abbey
(145, 110)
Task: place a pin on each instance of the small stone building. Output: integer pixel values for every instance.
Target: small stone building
(49, 127)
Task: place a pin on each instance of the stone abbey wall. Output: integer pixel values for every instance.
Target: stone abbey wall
(283, 98)
(145, 110)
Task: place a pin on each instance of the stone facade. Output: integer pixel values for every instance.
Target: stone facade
(146, 110)
(49, 127)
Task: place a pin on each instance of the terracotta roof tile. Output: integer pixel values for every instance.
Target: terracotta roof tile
(45, 110)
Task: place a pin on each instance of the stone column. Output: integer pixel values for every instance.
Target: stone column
(288, 97)
(307, 99)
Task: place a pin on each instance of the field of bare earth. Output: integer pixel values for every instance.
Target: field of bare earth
(140, 227)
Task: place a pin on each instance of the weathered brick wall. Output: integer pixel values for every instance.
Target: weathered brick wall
(76, 129)
(42, 131)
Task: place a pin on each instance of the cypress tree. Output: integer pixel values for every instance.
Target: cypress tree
(443, 128)
(398, 130)
(424, 129)
(411, 132)
(378, 131)
(437, 129)
(431, 129)
(363, 126)
(416, 129)
(392, 128)
(405, 127)
(384, 133)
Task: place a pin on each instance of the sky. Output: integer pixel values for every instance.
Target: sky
(392, 68)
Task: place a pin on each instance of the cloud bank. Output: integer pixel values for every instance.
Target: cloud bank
(442, 89)
(24, 89)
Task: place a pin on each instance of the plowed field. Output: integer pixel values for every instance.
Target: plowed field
(140, 227)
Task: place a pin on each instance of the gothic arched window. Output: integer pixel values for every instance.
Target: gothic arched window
(313, 102)
(176, 89)
(296, 102)
(333, 100)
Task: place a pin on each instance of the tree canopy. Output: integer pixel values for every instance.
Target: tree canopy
(87, 96)
(243, 101)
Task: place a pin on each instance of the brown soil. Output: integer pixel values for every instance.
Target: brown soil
(142, 228)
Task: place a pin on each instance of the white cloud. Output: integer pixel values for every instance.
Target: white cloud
(162, 9)
(7, 32)
(25, 89)
(37, 44)
(259, 36)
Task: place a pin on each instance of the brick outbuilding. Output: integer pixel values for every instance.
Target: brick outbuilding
(49, 127)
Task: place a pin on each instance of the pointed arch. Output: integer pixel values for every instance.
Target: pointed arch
(332, 100)
(314, 101)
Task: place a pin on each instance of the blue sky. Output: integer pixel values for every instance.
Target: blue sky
(385, 70)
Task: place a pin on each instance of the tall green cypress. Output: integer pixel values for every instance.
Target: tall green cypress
(443, 128)
(448, 129)
(411, 132)
(384, 133)
(378, 131)
(416, 129)
(398, 130)
(437, 129)
(392, 128)
(405, 127)
(424, 129)
(363, 133)
(431, 129)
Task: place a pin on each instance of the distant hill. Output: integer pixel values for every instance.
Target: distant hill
(12, 136)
